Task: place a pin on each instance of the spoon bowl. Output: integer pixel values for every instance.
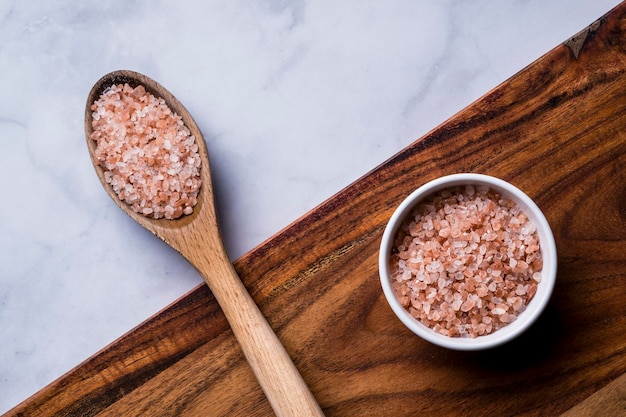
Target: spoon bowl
(165, 229)
(197, 238)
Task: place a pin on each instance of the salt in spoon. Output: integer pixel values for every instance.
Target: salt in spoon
(197, 238)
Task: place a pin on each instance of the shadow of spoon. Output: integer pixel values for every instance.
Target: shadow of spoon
(197, 238)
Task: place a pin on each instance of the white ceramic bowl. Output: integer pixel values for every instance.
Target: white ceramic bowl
(544, 288)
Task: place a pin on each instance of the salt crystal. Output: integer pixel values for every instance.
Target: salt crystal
(482, 291)
(521, 289)
(426, 307)
(468, 305)
(507, 318)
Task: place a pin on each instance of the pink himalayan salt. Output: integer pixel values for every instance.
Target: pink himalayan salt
(466, 262)
(148, 155)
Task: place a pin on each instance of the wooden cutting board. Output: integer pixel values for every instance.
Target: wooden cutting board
(557, 130)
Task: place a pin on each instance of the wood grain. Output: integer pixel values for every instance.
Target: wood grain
(609, 401)
(557, 130)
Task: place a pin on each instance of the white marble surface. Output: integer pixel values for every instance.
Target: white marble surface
(297, 99)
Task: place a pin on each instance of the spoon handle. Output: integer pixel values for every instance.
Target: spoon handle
(283, 385)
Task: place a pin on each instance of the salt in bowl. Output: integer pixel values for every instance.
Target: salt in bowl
(543, 290)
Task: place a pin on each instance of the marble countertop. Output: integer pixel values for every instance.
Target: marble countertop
(297, 99)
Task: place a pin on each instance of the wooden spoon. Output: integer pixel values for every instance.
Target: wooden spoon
(198, 239)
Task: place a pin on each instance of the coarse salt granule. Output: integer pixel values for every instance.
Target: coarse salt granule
(466, 262)
(149, 156)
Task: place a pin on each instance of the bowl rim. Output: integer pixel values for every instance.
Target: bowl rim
(547, 247)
